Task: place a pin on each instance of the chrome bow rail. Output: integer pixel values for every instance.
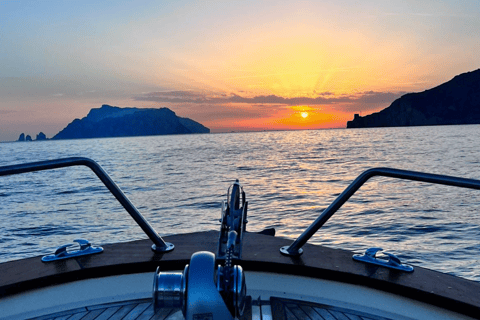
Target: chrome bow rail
(295, 248)
(159, 244)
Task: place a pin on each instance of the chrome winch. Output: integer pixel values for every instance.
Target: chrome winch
(210, 287)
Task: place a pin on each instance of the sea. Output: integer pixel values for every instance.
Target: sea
(178, 183)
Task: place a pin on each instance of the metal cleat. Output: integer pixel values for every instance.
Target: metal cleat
(61, 253)
(393, 261)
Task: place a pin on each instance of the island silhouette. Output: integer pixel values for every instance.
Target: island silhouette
(110, 121)
(454, 102)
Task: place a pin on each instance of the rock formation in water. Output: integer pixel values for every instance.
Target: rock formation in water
(454, 102)
(109, 121)
(41, 136)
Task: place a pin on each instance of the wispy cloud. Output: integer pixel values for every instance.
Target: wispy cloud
(359, 101)
(7, 111)
(429, 14)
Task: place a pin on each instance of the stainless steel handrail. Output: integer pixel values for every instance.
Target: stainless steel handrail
(295, 248)
(159, 244)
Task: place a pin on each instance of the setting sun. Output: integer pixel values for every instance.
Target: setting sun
(304, 114)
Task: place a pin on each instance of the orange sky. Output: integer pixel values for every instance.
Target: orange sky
(237, 66)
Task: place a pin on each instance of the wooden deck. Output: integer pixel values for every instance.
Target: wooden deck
(286, 309)
(127, 310)
(275, 309)
(260, 253)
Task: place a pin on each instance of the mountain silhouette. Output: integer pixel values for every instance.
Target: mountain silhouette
(454, 102)
(109, 121)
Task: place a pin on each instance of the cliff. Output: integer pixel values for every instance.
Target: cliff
(109, 121)
(454, 102)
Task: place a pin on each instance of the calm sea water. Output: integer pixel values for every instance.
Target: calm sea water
(178, 183)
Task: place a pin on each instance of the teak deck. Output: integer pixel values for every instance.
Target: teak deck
(275, 309)
(260, 253)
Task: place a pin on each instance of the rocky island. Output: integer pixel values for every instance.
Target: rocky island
(454, 102)
(109, 121)
(40, 136)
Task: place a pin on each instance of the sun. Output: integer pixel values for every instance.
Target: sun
(304, 114)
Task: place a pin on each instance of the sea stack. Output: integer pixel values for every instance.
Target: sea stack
(41, 136)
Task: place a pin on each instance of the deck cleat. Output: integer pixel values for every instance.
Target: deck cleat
(62, 253)
(393, 262)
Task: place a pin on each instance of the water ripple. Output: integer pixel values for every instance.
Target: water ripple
(179, 182)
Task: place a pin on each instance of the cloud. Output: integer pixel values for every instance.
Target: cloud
(362, 101)
(7, 111)
(325, 93)
(175, 97)
(234, 112)
(379, 97)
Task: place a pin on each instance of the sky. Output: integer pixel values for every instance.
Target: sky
(230, 65)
